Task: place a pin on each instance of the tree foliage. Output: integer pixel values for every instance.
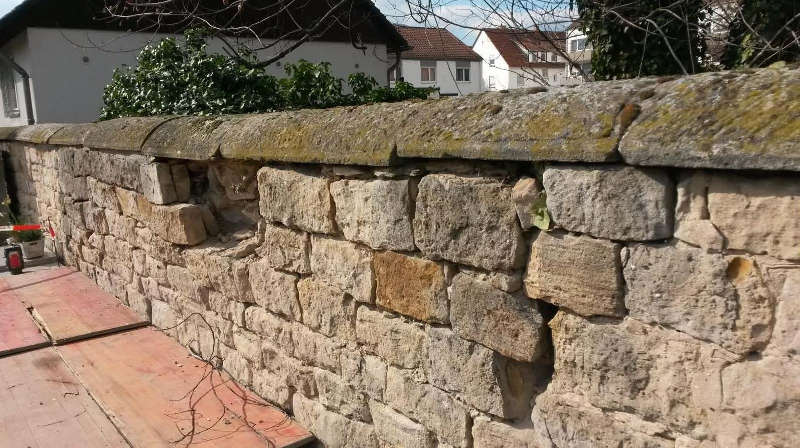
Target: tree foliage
(645, 37)
(763, 32)
(183, 78)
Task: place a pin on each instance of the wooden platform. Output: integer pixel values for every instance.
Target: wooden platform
(18, 331)
(68, 305)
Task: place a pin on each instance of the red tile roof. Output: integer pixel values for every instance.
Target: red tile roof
(434, 43)
(509, 42)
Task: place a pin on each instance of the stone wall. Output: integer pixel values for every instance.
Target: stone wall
(390, 292)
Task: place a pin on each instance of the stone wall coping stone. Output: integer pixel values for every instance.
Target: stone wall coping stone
(746, 119)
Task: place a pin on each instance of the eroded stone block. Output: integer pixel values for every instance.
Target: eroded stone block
(344, 265)
(397, 341)
(296, 198)
(411, 286)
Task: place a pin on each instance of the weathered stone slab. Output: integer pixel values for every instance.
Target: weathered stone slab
(179, 223)
(70, 134)
(436, 410)
(785, 339)
(270, 326)
(692, 219)
(334, 393)
(509, 324)
(296, 198)
(490, 434)
(326, 309)
(757, 214)
(332, 429)
(190, 138)
(316, 349)
(365, 372)
(238, 179)
(411, 286)
(7, 132)
(156, 183)
(36, 133)
(708, 296)
(468, 220)
(720, 120)
(611, 201)
(578, 124)
(577, 272)
(397, 341)
(286, 249)
(374, 212)
(274, 290)
(344, 265)
(123, 134)
(395, 429)
(479, 376)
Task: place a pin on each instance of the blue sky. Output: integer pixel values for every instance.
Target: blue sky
(8, 5)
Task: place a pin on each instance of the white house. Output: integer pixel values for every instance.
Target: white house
(515, 59)
(440, 60)
(55, 58)
(579, 51)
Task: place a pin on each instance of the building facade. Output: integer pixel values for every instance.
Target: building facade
(515, 59)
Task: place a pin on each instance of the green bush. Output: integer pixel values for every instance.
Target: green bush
(184, 79)
(765, 22)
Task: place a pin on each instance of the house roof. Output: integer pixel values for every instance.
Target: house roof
(366, 23)
(434, 43)
(510, 44)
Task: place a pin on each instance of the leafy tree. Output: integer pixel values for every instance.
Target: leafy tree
(764, 31)
(184, 79)
(645, 37)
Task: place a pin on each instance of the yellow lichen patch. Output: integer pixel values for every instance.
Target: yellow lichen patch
(739, 269)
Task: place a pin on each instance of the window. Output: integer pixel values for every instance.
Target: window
(520, 80)
(491, 62)
(491, 83)
(553, 57)
(8, 90)
(577, 44)
(462, 71)
(427, 71)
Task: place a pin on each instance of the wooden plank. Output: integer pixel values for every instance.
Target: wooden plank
(43, 405)
(18, 331)
(145, 381)
(69, 305)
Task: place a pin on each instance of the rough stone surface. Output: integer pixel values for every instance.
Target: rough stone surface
(411, 286)
(509, 324)
(122, 134)
(399, 342)
(692, 219)
(708, 296)
(577, 272)
(286, 249)
(490, 434)
(525, 194)
(785, 339)
(332, 429)
(614, 201)
(296, 198)
(757, 214)
(479, 376)
(156, 182)
(334, 393)
(238, 180)
(396, 430)
(274, 290)
(327, 310)
(374, 212)
(468, 220)
(344, 265)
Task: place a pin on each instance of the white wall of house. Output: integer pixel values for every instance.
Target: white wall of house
(580, 51)
(446, 76)
(69, 68)
(494, 69)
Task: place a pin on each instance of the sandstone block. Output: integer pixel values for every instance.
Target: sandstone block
(468, 220)
(180, 224)
(272, 388)
(509, 324)
(374, 212)
(447, 418)
(181, 181)
(326, 310)
(183, 282)
(508, 282)
(758, 215)
(103, 195)
(527, 196)
(296, 198)
(708, 296)
(248, 344)
(411, 286)
(238, 366)
(289, 371)
(393, 339)
(611, 201)
(343, 265)
(577, 272)
(692, 220)
(156, 182)
(238, 180)
(225, 274)
(270, 327)
(162, 314)
(274, 290)
(332, 429)
(397, 430)
(286, 249)
(334, 393)
(490, 434)
(785, 339)
(366, 373)
(316, 349)
(481, 377)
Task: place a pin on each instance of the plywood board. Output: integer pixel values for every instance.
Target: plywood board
(43, 405)
(18, 331)
(151, 387)
(69, 305)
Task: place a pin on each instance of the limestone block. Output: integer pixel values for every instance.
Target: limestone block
(138, 303)
(365, 372)
(708, 296)
(162, 314)
(411, 286)
(611, 201)
(468, 220)
(344, 265)
(479, 376)
(181, 181)
(270, 326)
(785, 339)
(225, 274)
(274, 290)
(490, 434)
(508, 282)
(288, 370)
(296, 198)
(374, 212)
(180, 224)
(316, 349)
(397, 430)
(272, 388)
(92, 256)
(326, 309)
(248, 344)
(334, 393)
(156, 182)
(238, 180)
(103, 195)
(226, 308)
(692, 220)
(447, 418)
(183, 282)
(577, 272)
(238, 366)
(526, 194)
(397, 341)
(94, 218)
(286, 249)
(332, 429)
(509, 324)
(757, 214)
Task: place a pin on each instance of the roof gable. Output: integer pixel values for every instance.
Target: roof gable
(513, 45)
(435, 44)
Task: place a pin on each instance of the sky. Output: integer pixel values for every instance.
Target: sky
(8, 5)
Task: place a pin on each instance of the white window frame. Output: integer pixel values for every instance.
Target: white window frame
(8, 92)
(492, 84)
(463, 71)
(520, 80)
(427, 69)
